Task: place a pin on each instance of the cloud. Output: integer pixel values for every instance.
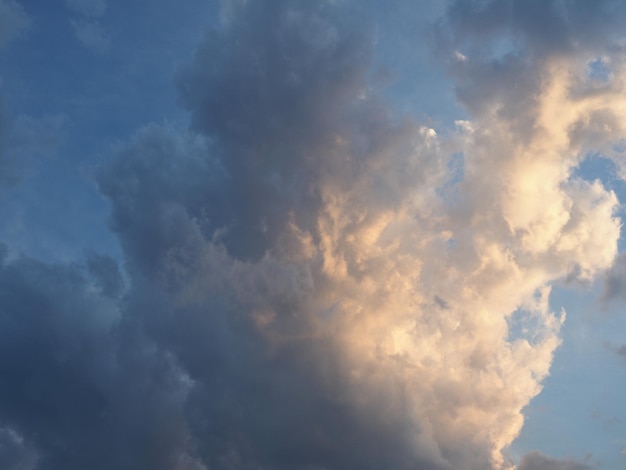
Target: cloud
(309, 285)
(538, 461)
(89, 8)
(91, 35)
(80, 387)
(106, 274)
(13, 21)
(541, 28)
(340, 287)
(23, 139)
(6, 162)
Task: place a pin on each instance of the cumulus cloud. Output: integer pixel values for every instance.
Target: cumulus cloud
(13, 21)
(351, 289)
(80, 387)
(310, 285)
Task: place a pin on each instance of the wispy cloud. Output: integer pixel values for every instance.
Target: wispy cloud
(537, 461)
(90, 8)
(13, 21)
(91, 35)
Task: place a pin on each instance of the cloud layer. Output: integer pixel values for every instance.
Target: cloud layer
(316, 282)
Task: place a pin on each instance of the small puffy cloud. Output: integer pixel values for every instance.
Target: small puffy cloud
(538, 461)
(91, 35)
(13, 21)
(90, 8)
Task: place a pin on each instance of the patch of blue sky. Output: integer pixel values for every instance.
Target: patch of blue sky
(580, 411)
(102, 97)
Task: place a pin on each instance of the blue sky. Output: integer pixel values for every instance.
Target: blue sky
(328, 235)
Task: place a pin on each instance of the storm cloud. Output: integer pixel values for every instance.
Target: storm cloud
(311, 280)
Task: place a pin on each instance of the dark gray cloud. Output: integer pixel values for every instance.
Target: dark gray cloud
(274, 89)
(544, 28)
(538, 461)
(80, 388)
(270, 97)
(249, 407)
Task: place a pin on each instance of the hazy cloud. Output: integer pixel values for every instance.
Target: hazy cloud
(538, 461)
(80, 387)
(615, 280)
(91, 35)
(24, 139)
(90, 8)
(14, 453)
(13, 21)
(6, 160)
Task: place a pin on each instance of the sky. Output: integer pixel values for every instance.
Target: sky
(312, 235)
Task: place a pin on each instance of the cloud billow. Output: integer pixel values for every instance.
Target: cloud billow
(318, 265)
(80, 387)
(308, 285)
